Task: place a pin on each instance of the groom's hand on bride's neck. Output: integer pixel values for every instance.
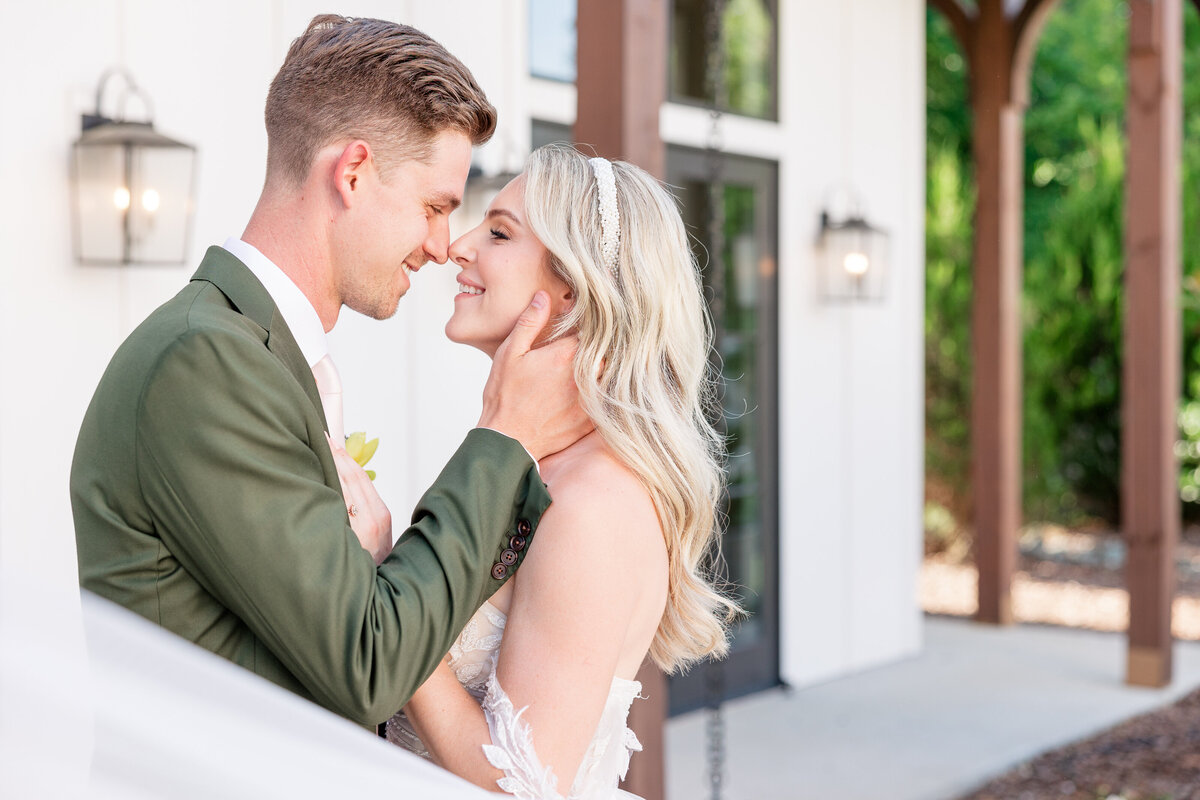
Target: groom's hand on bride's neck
(531, 394)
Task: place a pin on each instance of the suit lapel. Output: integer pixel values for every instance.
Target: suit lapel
(235, 280)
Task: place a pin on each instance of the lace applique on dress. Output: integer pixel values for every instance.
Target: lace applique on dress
(473, 654)
(512, 749)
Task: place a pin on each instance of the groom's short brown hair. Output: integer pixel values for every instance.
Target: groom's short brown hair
(369, 79)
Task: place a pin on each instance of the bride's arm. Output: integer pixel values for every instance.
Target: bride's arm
(452, 727)
(572, 602)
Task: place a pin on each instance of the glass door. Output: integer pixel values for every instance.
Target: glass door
(743, 301)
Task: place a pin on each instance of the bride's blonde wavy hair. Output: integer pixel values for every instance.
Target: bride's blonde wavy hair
(643, 372)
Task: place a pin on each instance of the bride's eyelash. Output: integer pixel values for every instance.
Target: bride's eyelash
(498, 234)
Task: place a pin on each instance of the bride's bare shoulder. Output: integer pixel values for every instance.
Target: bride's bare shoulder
(594, 490)
(589, 473)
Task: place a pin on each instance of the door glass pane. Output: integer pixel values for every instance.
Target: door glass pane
(734, 300)
(740, 287)
(748, 74)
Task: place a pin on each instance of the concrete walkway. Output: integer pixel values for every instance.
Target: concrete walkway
(976, 702)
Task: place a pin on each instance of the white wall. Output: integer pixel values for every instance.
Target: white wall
(850, 382)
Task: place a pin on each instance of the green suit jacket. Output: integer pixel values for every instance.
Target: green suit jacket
(206, 499)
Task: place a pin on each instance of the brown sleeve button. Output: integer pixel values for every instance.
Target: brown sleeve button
(517, 543)
(523, 527)
(508, 557)
(499, 571)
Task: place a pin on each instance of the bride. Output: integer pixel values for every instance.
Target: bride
(533, 697)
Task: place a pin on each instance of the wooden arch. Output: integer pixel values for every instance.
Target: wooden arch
(999, 39)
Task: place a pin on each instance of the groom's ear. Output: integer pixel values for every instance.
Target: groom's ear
(354, 165)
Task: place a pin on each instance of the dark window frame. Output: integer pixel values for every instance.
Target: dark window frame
(750, 667)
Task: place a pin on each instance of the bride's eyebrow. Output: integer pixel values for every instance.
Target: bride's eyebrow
(503, 212)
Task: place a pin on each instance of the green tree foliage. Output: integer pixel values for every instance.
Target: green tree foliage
(1072, 299)
(1072, 322)
(949, 210)
(948, 214)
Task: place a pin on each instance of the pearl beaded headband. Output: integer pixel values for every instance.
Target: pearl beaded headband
(610, 217)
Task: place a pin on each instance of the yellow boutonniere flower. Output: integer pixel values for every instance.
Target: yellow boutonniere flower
(361, 450)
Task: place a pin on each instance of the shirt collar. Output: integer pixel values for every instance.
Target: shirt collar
(301, 318)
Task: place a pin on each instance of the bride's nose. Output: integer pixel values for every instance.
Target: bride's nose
(461, 252)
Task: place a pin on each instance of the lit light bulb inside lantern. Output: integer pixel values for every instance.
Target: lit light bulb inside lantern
(121, 198)
(150, 200)
(856, 264)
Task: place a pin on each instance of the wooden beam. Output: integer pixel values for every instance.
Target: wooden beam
(1029, 13)
(1151, 371)
(621, 87)
(1027, 28)
(959, 19)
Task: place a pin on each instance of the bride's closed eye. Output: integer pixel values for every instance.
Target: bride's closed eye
(501, 235)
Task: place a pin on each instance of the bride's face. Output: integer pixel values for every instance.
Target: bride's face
(503, 264)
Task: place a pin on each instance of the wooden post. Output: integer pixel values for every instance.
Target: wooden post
(621, 86)
(622, 79)
(999, 47)
(995, 313)
(1152, 333)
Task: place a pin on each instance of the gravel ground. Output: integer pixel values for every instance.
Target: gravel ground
(1074, 579)
(1065, 578)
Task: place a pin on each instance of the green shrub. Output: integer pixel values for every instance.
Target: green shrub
(1072, 295)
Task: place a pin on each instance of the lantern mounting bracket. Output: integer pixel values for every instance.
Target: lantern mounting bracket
(98, 117)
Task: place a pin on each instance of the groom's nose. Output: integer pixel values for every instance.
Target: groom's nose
(437, 244)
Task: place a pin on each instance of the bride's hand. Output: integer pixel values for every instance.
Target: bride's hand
(369, 516)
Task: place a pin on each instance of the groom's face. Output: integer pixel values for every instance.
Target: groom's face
(403, 225)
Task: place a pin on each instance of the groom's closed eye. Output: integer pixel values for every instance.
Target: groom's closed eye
(442, 204)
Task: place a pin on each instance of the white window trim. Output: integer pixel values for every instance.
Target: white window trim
(679, 124)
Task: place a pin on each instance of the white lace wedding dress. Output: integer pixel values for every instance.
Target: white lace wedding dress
(473, 659)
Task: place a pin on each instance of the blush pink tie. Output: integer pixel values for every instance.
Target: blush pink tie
(329, 385)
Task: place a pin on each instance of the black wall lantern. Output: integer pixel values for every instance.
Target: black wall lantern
(132, 187)
(853, 259)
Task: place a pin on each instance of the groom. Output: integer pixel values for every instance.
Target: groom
(204, 492)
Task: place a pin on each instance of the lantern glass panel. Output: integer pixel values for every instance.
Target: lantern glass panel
(100, 190)
(854, 263)
(160, 204)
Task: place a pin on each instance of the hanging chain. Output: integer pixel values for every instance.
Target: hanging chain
(714, 678)
(714, 79)
(714, 74)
